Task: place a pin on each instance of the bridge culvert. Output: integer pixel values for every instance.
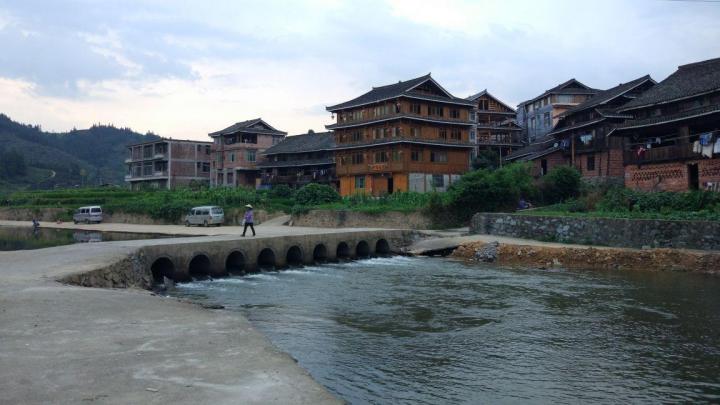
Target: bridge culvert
(162, 267)
(235, 263)
(266, 259)
(382, 247)
(343, 251)
(199, 267)
(362, 249)
(294, 256)
(320, 253)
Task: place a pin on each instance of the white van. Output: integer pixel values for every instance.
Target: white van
(205, 216)
(88, 214)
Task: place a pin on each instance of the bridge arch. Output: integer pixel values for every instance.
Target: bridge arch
(162, 267)
(199, 266)
(266, 259)
(342, 250)
(320, 254)
(235, 262)
(294, 256)
(382, 247)
(362, 249)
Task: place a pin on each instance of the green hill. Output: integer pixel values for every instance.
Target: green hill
(31, 158)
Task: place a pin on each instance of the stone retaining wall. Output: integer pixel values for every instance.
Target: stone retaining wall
(635, 233)
(354, 219)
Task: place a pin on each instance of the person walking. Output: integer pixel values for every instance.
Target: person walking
(248, 219)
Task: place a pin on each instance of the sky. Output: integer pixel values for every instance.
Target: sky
(183, 69)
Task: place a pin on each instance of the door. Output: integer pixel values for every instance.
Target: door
(390, 185)
(693, 176)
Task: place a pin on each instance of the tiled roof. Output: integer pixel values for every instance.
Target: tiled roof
(608, 95)
(564, 88)
(397, 90)
(689, 80)
(247, 126)
(309, 142)
(476, 96)
(297, 162)
(533, 149)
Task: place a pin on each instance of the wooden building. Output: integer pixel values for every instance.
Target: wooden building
(495, 126)
(237, 149)
(581, 133)
(538, 116)
(167, 163)
(672, 142)
(299, 160)
(409, 136)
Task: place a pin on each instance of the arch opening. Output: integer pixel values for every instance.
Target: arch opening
(199, 267)
(162, 267)
(382, 247)
(235, 263)
(320, 253)
(362, 249)
(294, 256)
(343, 250)
(266, 259)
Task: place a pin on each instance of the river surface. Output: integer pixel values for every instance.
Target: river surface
(27, 238)
(435, 331)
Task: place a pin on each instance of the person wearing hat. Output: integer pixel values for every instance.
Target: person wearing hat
(248, 219)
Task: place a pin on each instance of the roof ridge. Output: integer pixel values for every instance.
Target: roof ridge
(401, 81)
(702, 62)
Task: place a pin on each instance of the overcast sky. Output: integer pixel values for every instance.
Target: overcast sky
(186, 68)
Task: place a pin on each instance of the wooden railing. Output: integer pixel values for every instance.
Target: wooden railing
(444, 119)
(660, 154)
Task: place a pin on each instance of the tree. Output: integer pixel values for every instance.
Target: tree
(486, 159)
(560, 184)
(12, 164)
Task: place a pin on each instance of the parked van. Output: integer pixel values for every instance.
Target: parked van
(205, 216)
(88, 214)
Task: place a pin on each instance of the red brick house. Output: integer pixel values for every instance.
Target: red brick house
(672, 142)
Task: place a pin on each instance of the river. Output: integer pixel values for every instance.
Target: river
(432, 330)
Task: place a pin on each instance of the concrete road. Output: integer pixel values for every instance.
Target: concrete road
(66, 344)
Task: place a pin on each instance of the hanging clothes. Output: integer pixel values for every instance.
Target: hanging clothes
(707, 151)
(697, 148)
(641, 152)
(706, 138)
(716, 148)
(585, 139)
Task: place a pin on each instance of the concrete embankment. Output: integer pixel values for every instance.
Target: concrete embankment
(67, 344)
(354, 219)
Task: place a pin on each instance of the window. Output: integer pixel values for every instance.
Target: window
(532, 123)
(397, 131)
(547, 119)
(396, 156)
(472, 135)
(250, 156)
(435, 110)
(591, 162)
(357, 158)
(356, 136)
(454, 113)
(206, 167)
(415, 132)
(473, 116)
(455, 134)
(483, 105)
(343, 160)
(415, 108)
(438, 157)
(381, 110)
(376, 133)
(381, 157)
(232, 156)
(207, 149)
(564, 99)
(438, 181)
(442, 134)
(359, 182)
(416, 156)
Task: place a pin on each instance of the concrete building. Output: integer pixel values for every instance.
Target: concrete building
(672, 141)
(408, 136)
(299, 160)
(538, 116)
(167, 163)
(237, 149)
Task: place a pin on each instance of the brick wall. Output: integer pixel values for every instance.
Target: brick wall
(709, 171)
(657, 177)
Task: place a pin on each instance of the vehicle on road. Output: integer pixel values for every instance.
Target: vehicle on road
(88, 214)
(205, 216)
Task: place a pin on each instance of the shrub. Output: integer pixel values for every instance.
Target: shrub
(316, 194)
(560, 184)
(281, 191)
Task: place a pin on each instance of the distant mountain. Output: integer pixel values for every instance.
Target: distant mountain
(31, 158)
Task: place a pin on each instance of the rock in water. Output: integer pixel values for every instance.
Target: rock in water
(487, 253)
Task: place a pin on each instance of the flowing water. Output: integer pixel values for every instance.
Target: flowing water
(431, 331)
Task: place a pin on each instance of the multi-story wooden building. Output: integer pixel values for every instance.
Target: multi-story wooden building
(167, 163)
(581, 133)
(495, 127)
(538, 116)
(237, 149)
(409, 136)
(672, 143)
(299, 160)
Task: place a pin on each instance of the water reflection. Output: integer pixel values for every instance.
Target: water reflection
(419, 330)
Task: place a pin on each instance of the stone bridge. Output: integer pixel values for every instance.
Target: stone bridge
(215, 257)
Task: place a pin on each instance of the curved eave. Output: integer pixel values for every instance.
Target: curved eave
(293, 164)
(429, 143)
(342, 106)
(576, 127)
(629, 125)
(397, 117)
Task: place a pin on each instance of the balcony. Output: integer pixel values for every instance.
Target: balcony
(497, 139)
(299, 180)
(364, 168)
(147, 176)
(393, 116)
(159, 156)
(434, 141)
(661, 154)
(682, 115)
